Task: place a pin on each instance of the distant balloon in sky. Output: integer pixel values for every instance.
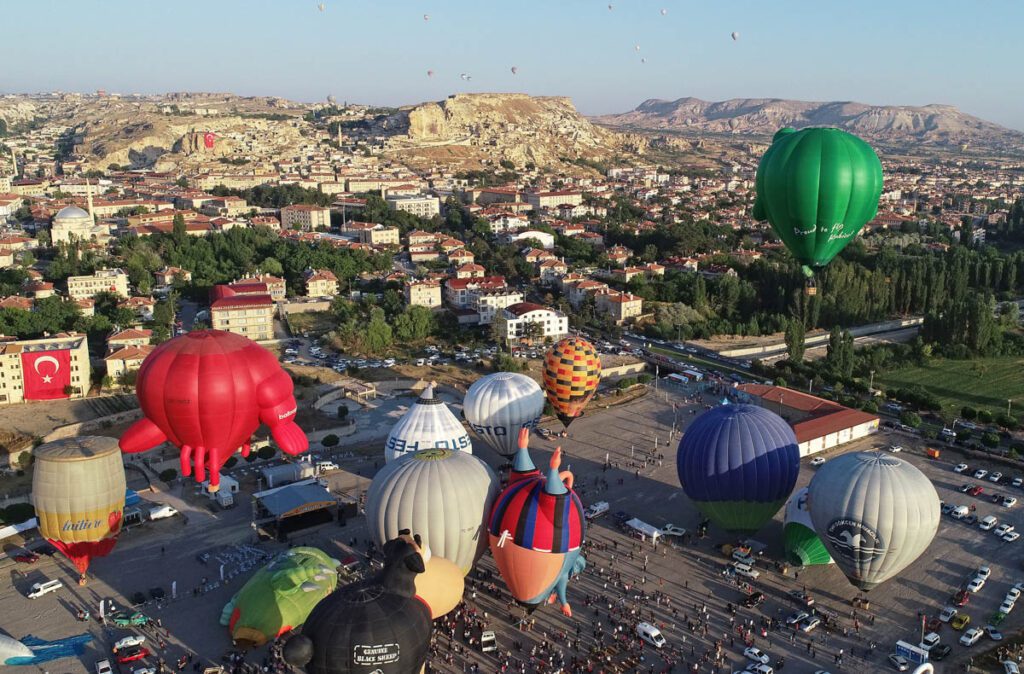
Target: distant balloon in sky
(426, 17)
(664, 12)
(466, 76)
(643, 60)
(637, 47)
(430, 73)
(321, 6)
(609, 8)
(733, 123)
(515, 70)
(735, 36)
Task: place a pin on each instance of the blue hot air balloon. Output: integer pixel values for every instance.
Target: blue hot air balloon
(738, 464)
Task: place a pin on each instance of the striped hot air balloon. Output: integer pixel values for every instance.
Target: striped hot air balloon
(572, 370)
(78, 490)
(536, 530)
(738, 463)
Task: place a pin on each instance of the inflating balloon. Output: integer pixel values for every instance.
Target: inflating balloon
(443, 495)
(803, 546)
(373, 625)
(279, 597)
(738, 464)
(817, 187)
(498, 405)
(428, 424)
(876, 514)
(572, 371)
(78, 490)
(536, 531)
(441, 584)
(206, 392)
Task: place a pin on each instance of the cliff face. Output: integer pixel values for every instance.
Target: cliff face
(931, 125)
(513, 127)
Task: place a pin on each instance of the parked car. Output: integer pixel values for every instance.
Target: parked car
(757, 655)
(980, 473)
(128, 642)
(939, 652)
(995, 477)
(1011, 537)
(976, 584)
(103, 667)
(809, 624)
(960, 621)
(132, 654)
(992, 633)
(898, 662)
(753, 600)
(960, 467)
(947, 614)
(26, 558)
(1003, 529)
(125, 619)
(971, 636)
(1010, 667)
(1009, 501)
(44, 587)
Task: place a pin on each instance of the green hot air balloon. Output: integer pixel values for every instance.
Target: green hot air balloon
(803, 546)
(817, 187)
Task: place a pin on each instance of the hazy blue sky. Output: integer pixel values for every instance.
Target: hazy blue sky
(913, 52)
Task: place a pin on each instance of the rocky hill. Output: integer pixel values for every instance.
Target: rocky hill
(896, 127)
(522, 129)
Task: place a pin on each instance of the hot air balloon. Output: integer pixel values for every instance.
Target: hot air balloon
(803, 546)
(536, 531)
(498, 405)
(13, 652)
(876, 514)
(572, 371)
(643, 60)
(738, 463)
(430, 73)
(321, 6)
(664, 12)
(466, 76)
(817, 187)
(428, 424)
(735, 36)
(279, 596)
(376, 624)
(733, 123)
(443, 495)
(515, 70)
(441, 584)
(78, 490)
(610, 8)
(637, 47)
(426, 17)
(207, 392)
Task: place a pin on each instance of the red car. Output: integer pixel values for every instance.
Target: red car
(132, 654)
(976, 490)
(961, 598)
(26, 558)
(934, 624)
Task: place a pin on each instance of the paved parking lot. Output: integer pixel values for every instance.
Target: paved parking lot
(683, 583)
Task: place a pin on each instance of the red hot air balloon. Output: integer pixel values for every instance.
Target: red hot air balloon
(208, 138)
(206, 392)
(536, 531)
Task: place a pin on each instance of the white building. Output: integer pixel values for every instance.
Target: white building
(102, 280)
(424, 207)
(554, 325)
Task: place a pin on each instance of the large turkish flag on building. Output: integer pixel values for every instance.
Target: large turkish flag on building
(46, 373)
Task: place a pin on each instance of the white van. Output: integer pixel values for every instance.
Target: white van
(959, 512)
(46, 587)
(987, 523)
(595, 510)
(488, 642)
(650, 634)
(162, 511)
(745, 570)
(326, 466)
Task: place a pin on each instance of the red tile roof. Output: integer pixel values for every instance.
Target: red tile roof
(242, 301)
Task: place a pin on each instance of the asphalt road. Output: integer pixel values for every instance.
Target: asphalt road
(159, 553)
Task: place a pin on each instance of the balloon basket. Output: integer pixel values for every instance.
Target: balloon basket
(82, 581)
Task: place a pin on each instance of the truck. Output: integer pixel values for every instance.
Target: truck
(278, 476)
(595, 510)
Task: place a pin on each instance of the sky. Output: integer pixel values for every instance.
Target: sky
(894, 52)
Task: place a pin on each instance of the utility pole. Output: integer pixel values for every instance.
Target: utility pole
(871, 383)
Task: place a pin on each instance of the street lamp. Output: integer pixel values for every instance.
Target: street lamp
(871, 383)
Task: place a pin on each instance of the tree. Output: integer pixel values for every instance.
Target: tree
(969, 413)
(378, 333)
(499, 330)
(342, 411)
(266, 452)
(795, 340)
(178, 227)
(990, 440)
(329, 440)
(168, 475)
(910, 419)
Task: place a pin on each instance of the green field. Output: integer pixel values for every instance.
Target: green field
(984, 383)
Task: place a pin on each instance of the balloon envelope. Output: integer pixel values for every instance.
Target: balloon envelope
(428, 424)
(498, 405)
(279, 597)
(803, 546)
(817, 187)
(440, 586)
(572, 371)
(738, 463)
(442, 495)
(735, 36)
(875, 512)
(78, 490)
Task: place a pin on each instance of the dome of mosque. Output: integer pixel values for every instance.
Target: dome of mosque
(71, 213)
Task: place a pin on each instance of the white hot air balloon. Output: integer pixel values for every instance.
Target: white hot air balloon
(426, 17)
(428, 424)
(321, 6)
(735, 36)
(664, 12)
(636, 47)
(466, 76)
(643, 60)
(442, 495)
(499, 404)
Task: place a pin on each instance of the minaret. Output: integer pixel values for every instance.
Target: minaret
(88, 196)
(14, 164)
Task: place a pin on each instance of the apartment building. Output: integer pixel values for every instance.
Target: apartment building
(44, 369)
(102, 280)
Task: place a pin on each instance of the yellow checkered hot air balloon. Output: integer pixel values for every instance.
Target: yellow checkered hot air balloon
(572, 370)
(78, 489)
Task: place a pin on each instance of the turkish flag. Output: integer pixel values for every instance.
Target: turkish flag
(46, 373)
(208, 139)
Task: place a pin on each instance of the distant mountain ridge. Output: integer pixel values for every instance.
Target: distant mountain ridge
(893, 125)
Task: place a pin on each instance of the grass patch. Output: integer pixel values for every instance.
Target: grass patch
(982, 383)
(314, 322)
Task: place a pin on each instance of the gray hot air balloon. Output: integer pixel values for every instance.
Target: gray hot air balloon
(444, 496)
(428, 424)
(875, 513)
(498, 405)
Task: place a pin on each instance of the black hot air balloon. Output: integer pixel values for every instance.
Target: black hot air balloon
(374, 625)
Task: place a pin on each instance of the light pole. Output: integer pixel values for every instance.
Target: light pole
(871, 383)
(1008, 401)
